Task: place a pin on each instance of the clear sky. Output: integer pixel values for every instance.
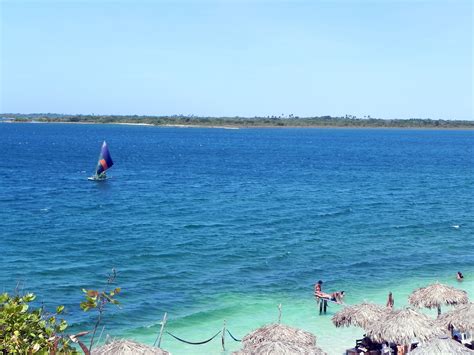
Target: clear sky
(380, 58)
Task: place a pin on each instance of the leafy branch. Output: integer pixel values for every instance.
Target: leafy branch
(98, 300)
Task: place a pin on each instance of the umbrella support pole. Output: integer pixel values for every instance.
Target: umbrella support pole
(223, 337)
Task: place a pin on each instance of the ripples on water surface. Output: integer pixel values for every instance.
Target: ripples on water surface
(207, 223)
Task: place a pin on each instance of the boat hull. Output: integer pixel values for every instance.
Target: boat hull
(97, 179)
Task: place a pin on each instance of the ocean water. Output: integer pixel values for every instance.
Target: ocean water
(217, 224)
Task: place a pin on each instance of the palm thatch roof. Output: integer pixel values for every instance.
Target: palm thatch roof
(436, 295)
(359, 315)
(402, 326)
(278, 333)
(460, 318)
(127, 347)
(441, 346)
(279, 347)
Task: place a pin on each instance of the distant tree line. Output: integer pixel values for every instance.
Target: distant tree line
(268, 121)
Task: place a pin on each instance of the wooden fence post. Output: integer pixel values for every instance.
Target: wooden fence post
(163, 323)
(223, 336)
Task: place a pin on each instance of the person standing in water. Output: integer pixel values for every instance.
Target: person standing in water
(390, 301)
(320, 295)
(459, 276)
(318, 288)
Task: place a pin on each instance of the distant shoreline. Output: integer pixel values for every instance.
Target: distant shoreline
(237, 127)
(180, 121)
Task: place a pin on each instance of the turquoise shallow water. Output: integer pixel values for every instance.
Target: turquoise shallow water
(213, 224)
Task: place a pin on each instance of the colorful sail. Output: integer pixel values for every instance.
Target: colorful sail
(105, 160)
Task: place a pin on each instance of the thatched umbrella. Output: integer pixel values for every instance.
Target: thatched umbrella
(436, 295)
(279, 347)
(359, 315)
(278, 333)
(460, 318)
(127, 347)
(402, 326)
(441, 346)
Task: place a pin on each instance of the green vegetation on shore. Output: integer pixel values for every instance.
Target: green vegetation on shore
(269, 121)
(27, 329)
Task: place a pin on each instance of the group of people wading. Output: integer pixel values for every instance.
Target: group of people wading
(336, 297)
(324, 297)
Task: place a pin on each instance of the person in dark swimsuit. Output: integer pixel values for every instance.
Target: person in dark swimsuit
(337, 296)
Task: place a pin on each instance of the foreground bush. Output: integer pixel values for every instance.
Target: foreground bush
(25, 330)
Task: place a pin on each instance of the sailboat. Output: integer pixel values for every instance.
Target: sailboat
(105, 162)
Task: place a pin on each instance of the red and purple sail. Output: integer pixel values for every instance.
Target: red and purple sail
(105, 160)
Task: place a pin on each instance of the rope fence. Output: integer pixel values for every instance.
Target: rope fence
(223, 332)
(193, 342)
(228, 331)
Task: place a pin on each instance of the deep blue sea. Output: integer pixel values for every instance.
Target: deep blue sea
(218, 224)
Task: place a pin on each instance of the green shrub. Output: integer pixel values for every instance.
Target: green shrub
(26, 330)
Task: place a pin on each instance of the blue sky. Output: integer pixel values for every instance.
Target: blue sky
(380, 58)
